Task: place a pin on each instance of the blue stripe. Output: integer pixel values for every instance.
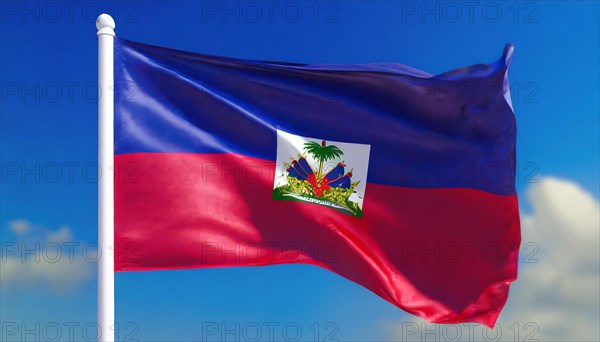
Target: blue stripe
(452, 130)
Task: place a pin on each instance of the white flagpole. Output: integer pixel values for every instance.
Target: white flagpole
(106, 267)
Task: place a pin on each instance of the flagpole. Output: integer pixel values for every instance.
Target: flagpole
(106, 273)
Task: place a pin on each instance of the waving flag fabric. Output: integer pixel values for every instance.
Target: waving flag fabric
(398, 180)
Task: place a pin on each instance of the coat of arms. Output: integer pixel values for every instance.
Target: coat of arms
(320, 172)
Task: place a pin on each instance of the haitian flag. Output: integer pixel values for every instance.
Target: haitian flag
(398, 180)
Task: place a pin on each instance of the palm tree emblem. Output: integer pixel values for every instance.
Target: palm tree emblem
(322, 153)
(331, 186)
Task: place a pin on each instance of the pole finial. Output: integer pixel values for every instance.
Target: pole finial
(105, 24)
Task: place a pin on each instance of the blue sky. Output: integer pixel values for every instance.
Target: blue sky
(48, 70)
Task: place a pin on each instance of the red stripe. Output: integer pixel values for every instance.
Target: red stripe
(447, 255)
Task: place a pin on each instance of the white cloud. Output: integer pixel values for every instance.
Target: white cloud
(52, 260)
(557, 294)
(561, 292)
(19, 227)
(62, 235)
